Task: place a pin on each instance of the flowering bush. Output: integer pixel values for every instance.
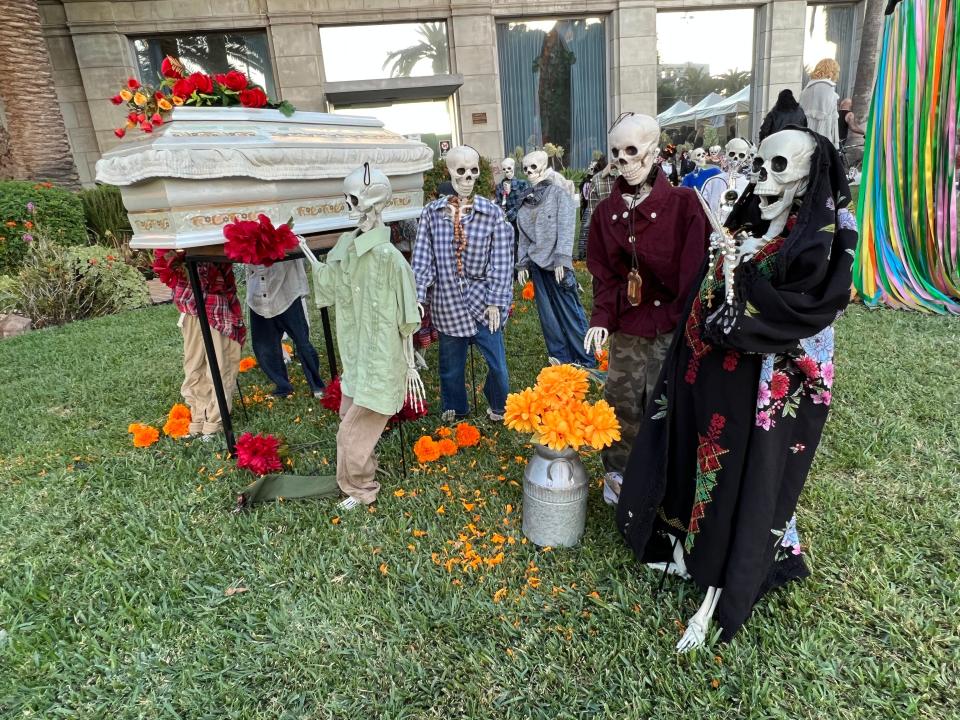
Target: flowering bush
(260, 454)
(556, 413)
(258, 243)
(148, 105)
(24, 206)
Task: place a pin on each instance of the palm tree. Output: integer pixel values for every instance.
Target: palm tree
(432, 46)
(35, 135)
(732, 81)
(867, 60)
(695, 84)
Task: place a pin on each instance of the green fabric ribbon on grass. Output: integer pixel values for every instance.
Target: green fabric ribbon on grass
(288, 487)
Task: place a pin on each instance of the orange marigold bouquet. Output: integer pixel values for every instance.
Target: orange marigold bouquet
(143, 435)
(429, 450)
(555, 411)
(178, 421)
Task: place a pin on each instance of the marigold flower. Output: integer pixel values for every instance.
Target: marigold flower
(143, 435)
(523, 411)
(126, 95)
(603, 360)
(179, 411)
(563, 382)
(287, 347)
(528, 293)
(467, 435)
(560, 429)
(444, 432)
(499, 594)
(600, 425)
(447, 447)
(426, 449)
(177, 427)
(247, 363)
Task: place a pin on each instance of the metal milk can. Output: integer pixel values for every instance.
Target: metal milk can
(554, 497)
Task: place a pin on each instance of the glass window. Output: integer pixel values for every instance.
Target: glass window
(553, 87)
(210, 53)
(376, 52)
(829, 34)
(431, 120)
(705, 57)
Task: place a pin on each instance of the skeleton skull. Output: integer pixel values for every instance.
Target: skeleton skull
(509, 167)
(366, 191)
(633, 147)
(699, 157)
(783, 167)
(737, 153)
(463, 164)
(535, 166)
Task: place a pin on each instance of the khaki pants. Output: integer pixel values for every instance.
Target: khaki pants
(634, 365)
(360, 430)
(197, 388)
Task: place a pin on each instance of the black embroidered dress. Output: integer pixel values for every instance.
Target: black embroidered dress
(723, 454)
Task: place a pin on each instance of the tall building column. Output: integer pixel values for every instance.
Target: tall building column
(783, 37)
(633, 59)
(474, 44)
(295, 43)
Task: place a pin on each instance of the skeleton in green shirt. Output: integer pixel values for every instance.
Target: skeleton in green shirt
(372, 287)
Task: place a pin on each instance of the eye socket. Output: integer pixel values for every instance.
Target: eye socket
(779, 163)
(533, 167)
(475, 171)
(615, 152)
(352, 199)
(742, 156)
(631, 151)
(757, 163)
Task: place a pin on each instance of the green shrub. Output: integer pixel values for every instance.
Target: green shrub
(58, 284)
(58, 211)
(106, 218)
(438, 174)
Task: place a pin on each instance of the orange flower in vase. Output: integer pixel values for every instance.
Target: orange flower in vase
(600, 425)
(523, 411)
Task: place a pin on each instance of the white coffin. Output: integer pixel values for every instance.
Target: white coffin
(207, 167)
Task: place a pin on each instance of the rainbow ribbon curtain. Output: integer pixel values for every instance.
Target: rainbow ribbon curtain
(907, 211)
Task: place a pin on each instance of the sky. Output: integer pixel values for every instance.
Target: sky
(722, 39)
(357, 52)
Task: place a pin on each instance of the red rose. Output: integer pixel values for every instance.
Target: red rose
(779, 385)
(158, 95)
(183, 87)
(253, 98)
(141, 118)
(133, 83)
(233, 80)
(146, 127)
(156, 119)
(168, 70)
(119, 132)
(133, 117)
(167, 266)
(202, 83)
(116, 100)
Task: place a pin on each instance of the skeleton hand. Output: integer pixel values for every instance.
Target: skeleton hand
(415, 392)
(749, 247)
(523, 276)
(493, 318)
(595, 339)
(308, 253)
(558, 273)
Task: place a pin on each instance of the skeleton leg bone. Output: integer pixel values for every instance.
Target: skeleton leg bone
(677, 566)
(695, 635)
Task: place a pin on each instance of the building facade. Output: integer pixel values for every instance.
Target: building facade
(495, 74)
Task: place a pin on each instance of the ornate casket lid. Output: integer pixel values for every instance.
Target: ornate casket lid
(208, 143)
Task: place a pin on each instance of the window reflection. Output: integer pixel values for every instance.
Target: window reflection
(829, 34)
(373, 52)
(553, 87)
(432, 120)
(209, 53)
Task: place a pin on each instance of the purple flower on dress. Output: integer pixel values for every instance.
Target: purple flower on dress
(822, 398)
(31, 207)
(847, 220)
(826, 373)
(830, 204)
(27, 238)
(764, 420)
(763, 395)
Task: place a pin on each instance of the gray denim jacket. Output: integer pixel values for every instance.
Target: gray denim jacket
(546, 222)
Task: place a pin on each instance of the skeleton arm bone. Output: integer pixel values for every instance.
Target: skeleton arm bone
(414, 385)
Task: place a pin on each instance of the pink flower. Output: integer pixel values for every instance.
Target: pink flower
(797, 549)
(822, 398)
(763, 395)
(826, 372)
(764, 420)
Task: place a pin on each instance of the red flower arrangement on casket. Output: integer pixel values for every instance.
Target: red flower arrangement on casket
(258, 243)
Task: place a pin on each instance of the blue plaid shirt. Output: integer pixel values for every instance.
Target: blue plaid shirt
(510, 203)
(457, 303)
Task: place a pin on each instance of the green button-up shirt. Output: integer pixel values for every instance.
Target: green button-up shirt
(375, 295)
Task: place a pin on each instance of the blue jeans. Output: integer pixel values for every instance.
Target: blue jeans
(562, 319)
(265, 336)
(453, 366)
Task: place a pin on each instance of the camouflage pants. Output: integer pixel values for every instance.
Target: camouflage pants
(634, 365)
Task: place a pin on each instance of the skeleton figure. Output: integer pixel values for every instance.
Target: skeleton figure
(716, 154)
(509, 167)
(535, 166)
(699, 157)
(463, 165)
(633, 150)
(737, 154)
(783, 169)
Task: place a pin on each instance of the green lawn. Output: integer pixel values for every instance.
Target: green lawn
(115, 561)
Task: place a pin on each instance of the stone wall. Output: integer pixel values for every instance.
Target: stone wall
(91, 50)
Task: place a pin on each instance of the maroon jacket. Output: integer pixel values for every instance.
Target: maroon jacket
(672, 234)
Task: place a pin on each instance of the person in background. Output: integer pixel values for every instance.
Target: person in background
(786, 111)
(668, 163)
(275, 298)
(851, 133)
(819, 100)
(687, 165)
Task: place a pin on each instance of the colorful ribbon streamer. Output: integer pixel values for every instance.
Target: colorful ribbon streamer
(908, 256)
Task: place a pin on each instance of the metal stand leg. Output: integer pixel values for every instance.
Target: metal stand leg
(211, 354)
(243, 404)
(328, 341)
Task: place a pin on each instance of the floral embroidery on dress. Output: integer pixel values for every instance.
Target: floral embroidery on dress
(847, 220)
(812, 373)
(709, 453)
(788, 540)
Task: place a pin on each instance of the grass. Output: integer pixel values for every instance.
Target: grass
(116, 562)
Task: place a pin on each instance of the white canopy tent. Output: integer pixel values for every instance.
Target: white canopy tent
(677, 108)
(712, 106)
